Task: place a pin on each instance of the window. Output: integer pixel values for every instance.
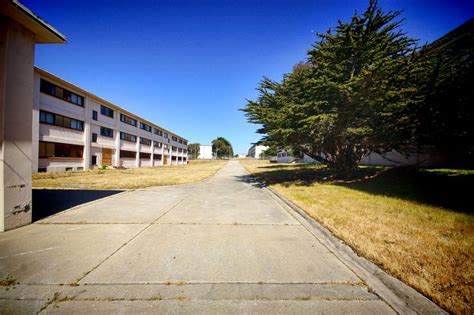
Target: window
(94, 137)
(51, 149)
(158, 132)
(56, 91)
(106, 111)
(94, 114)
(157, 157)
(94, 160)
(145, 127)
(180, 150)
(106, 132)
(185, 142)
(174, 138)
(173, 148)
(61, 121)
(128, 137)
(145, 141)
(157, 144)
(144, 155)
(46, 118)
(166, 146)
(166, 135)
(185, 151)
(180, 140)
(128, 154)
(128, 120)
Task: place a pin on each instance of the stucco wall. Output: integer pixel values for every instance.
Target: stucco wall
(16, 105)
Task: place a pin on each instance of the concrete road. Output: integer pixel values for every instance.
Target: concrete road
(224, 245)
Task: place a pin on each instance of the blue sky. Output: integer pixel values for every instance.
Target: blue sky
(189, 65)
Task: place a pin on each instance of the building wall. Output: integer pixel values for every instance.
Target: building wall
(205, 152)
(95, 152)
(256, 150)
(394, 158)
(16, 94)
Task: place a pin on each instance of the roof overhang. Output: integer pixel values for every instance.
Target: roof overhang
(44, 33)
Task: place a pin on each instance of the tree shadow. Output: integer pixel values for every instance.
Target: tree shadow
(448, 190)
(47, 202)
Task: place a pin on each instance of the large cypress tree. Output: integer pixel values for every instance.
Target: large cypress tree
(348, 98)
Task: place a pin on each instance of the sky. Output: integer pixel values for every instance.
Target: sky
(189, 66)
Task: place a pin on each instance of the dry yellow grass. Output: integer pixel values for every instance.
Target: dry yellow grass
(429, 247)
(129, 178)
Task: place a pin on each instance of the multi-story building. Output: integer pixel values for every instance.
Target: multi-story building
(256, 151)
(74, 130)
(205, 152)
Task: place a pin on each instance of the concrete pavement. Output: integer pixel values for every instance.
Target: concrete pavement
(224, 245)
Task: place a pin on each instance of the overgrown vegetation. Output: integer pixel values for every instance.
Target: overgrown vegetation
(416, 224)
(129, 178)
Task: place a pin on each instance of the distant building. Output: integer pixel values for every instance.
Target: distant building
(255, 151)
(205, 152)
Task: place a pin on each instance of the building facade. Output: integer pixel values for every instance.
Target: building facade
(205, 152)
(75, 130)
(256, 151)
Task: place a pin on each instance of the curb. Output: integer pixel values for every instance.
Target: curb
(399, 296)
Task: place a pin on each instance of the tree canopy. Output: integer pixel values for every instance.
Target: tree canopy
(222, 148)
(193, 150)
(348, 98)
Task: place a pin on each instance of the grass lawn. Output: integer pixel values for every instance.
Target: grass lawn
(129, 178)
(416, 225)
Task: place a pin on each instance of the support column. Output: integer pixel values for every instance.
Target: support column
(35, 125)
(17, 50)
(170, 157)
(117, 141)
(87, 136)
(152, 161)
(137, 157)
(162, 155)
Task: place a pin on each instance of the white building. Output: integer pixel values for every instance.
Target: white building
(74, 129)
(205, 152)
(256, 151)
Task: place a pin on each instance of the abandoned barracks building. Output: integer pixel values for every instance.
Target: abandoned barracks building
(74, 130)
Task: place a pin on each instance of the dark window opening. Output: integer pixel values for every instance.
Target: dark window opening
(94, 115)
(94, 137)
(60, 121)
(56, 91)
(145, 141)
(144, 155)
(106, 111)
(128, 137)
(145, 127)
(106, 132)
(52, 149)
(158, 132)
(128, 154)
(128, 120)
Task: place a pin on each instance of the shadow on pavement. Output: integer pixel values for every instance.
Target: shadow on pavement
(47, 202)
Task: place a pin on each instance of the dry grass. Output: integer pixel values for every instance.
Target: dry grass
(418, 226)
(129, 178)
